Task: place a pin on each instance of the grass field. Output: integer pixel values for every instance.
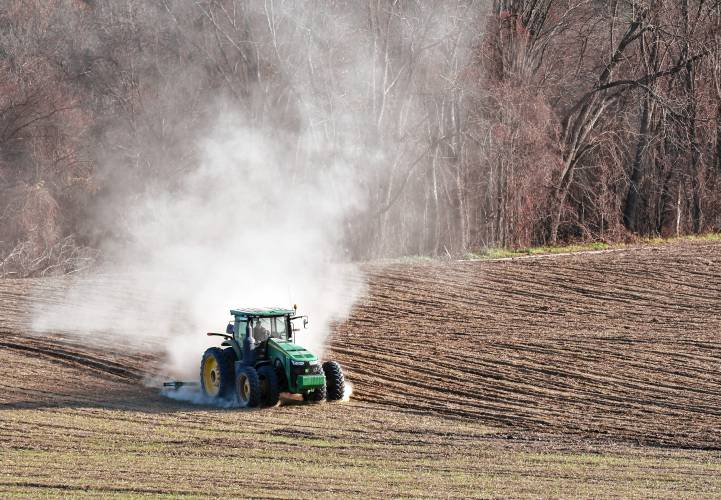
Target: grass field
(341, 449)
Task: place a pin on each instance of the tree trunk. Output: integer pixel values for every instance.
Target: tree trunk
(498, 204)
(630, 209)
(718, 139)
(691, 125)
(561, 194)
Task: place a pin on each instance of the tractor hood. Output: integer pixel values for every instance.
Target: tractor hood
(293, 351)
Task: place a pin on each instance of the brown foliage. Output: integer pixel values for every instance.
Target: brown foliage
(522, 123)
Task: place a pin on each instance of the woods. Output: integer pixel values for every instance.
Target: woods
(466, 124)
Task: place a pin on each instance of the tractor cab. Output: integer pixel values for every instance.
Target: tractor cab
(252, 329)
(262, 324)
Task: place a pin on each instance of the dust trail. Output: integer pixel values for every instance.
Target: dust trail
(347, 391)
(195, 395)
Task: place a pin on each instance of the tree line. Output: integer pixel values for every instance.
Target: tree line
(481, 124)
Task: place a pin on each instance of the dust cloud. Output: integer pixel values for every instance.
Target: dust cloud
(240, 230)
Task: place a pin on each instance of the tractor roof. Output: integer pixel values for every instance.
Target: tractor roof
(261, 311)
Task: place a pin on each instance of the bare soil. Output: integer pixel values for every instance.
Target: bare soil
(577, 375)
(624, 346)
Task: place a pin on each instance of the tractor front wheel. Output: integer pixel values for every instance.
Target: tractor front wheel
(247, 386)
(269, 386)
(216, 373)
(334, 381)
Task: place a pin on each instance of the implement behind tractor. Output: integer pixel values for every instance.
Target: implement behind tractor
(258, 360)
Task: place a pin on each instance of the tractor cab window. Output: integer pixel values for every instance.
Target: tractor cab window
(239, 332)
(279, 328)
(260, 329)
(265, 328)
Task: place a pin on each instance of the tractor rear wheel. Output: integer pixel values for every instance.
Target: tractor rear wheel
(247, 387)
(269, 386)
(334, 381)
(216, 373)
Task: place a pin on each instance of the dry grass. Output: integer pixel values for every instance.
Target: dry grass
(348, 450)
(505, 253)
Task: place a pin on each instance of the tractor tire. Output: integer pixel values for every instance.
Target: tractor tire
(315, 396)
(230, 356)
(216, 373)
(247, 387)
(334, 381)
(269, 386)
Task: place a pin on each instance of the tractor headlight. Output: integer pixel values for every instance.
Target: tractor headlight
(297, 363)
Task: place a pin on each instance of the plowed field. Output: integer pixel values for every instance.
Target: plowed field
(587, 374)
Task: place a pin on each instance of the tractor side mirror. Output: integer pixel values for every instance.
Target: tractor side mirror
(305, 322)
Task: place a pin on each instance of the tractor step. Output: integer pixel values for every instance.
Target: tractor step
(178, 384)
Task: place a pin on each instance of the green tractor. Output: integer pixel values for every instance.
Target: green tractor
(259, 359)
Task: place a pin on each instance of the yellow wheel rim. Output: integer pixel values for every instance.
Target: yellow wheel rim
(211, 376)
(244, 388)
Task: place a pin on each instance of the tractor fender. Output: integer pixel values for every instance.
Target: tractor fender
(236, 347)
